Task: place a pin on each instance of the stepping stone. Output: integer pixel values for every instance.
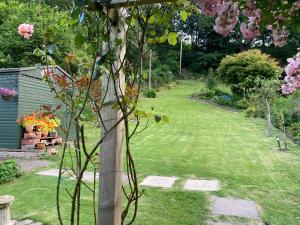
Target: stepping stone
(87, 176)
(202, 185)
(159, 181)
(222, 223)
(25, 222)
(235, 207)
(29, 165)
(52, 173)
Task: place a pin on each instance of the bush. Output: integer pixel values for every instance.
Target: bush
(9, 170)
(294, 130)
(211, 83)
(162, 75)
(150, 93)
(244, 71)
(224, 100)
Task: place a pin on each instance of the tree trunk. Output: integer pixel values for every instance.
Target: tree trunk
(150, 71)
(269, 119)
(110, 190)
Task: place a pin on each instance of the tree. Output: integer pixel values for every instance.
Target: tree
(267, 92)
(243, 71)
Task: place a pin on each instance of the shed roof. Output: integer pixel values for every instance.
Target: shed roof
(6, 71)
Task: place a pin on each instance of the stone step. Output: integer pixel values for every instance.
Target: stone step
(19, 154)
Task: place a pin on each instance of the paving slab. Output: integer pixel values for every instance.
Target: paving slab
(24, 222)
(235, 207)
(202, 185)
(30, 165)
(87, 176)
(159, 181)
(222, 223)
(52, 173)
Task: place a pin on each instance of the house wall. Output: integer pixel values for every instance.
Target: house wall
(9, 130)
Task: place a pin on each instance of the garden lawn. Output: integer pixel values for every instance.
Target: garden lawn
(201, 141)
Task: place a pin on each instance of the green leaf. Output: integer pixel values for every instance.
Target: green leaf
(153, 33)
(183, 15)
(119, 41)
(151, 19)
(166, 118)
(151, 41)
(79, 40)
(145, 75)
(172, 38)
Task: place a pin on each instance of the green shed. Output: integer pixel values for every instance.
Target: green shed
(33, 92)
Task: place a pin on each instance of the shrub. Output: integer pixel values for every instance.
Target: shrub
(162, 75)
(294, 130)
(224, 100)
(244, 71)
(150, 93)
(211, 82)
(9, 170)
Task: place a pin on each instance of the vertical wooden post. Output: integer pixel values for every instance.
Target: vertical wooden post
(110, 190)
(150, 71)
(180, 63)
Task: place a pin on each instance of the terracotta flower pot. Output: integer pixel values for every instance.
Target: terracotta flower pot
(39, 134)
(29, 128)
(41, 145)
(45, 134)
(52, 134)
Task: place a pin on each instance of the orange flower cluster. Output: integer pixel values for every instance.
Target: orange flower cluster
(43, 122)
(28, 120)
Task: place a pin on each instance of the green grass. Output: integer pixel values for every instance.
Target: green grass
(201, 141)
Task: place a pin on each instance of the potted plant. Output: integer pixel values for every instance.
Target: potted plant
(7, 94)
(28, 122)
(54, 124)
(41, 145)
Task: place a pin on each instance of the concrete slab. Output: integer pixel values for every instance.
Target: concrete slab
(235, 207)
(202, 185)
(24, 222)
(159, 181)
(52, 173)
(87, 176)
(222, 223)
(29, 165)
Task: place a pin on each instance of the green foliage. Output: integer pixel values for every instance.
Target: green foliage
(15, 51)
(150, 93)
(161, 75)
(294, 130)
(211, 82)
(9, 170)
(282, 111)
(201, 62)
(245, 71)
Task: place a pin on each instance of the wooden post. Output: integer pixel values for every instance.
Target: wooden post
(110, 202)
(150, 71)
(180, 63)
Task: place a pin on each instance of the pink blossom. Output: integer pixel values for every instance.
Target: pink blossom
(7, 92)
(227, 17)
(26, 30)
(292, 78)
(250, 9)
(209, 7)
(250, 30)
(280, 37)
(297, 4)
